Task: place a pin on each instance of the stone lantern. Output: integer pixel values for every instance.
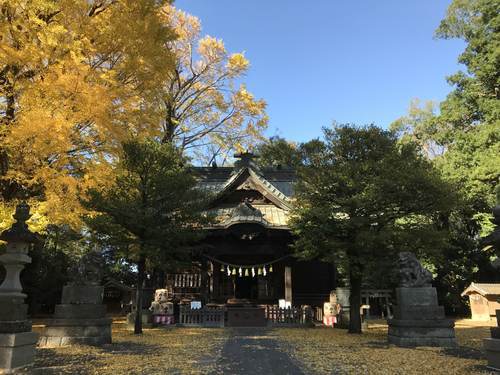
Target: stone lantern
(17, 341)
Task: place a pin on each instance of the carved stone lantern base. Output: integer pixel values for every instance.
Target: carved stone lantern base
(17, 351)
(17, 341)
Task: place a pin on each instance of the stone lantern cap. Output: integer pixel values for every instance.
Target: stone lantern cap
(19, 231)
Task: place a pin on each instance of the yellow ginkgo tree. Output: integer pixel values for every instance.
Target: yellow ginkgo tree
(207, 110)
(77, 77)
(80, 77)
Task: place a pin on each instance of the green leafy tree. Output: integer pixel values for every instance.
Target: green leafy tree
(475, 97)
(152, 209)
(465, 132)
(278, 151)
(364, 198)
(466, 129)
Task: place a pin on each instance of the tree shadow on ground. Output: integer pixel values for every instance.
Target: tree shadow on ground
(479, 369)
(377, 344)
(464, 352)
(130, 347)
(458, 352)
(50, 361)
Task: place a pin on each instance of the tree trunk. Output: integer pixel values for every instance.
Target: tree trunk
(355, 279)
(170, 125)
(141, 265)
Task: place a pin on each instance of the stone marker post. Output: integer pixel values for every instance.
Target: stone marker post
(418, 319)
(17, 341)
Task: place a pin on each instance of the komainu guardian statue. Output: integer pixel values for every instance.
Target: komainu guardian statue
(88, 270)
(412, 274)
(418, 320)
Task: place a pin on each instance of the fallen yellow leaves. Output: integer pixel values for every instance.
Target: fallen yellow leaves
(316, 350)
(326, 351)
(157, 351)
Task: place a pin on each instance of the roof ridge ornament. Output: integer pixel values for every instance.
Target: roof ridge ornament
(246, 159)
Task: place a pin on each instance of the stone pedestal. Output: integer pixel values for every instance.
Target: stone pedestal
(492, 346)
(147, 319)
(79, 319)
(17, 341)
(17, 351)
(343, 299)
(419, 320)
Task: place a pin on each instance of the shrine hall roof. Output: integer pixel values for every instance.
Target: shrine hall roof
(276, 184)
(214, 179)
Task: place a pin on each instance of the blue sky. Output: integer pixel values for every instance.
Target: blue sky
(319, 61)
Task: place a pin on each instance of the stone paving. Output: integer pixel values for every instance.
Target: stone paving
(254, 351)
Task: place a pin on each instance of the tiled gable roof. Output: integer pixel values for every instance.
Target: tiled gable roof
(482, 288)
(275, 184)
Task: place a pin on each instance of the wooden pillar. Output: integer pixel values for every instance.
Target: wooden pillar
(213, 272)
(367, 303)
(387, 307)
(204, 288)
(288, 284)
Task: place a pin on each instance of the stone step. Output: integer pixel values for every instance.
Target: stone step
(82, 311)
(76, 322)
(17, 350)
(421, 332)
(424, 323)
(422, 341)
(426, 296)
(418, 312)
(58, 341)
(82, 294)
(15, 326)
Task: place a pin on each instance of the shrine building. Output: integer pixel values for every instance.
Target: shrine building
(246, 254)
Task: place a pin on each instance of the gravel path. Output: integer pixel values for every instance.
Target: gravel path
(253, 351)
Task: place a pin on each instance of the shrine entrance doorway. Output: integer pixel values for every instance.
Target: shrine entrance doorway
(246, 288)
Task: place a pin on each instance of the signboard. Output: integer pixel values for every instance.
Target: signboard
(195, 305)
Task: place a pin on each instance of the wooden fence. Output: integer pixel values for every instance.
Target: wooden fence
(288, 316)
(204, 317)
(318, 314)
(215, 316)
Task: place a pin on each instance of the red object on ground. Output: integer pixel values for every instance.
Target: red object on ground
(329, 320)
(163, 319)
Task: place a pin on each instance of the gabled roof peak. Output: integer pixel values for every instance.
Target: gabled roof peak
(245, 160)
